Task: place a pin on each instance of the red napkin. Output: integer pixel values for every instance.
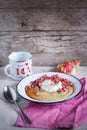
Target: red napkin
(67, 114)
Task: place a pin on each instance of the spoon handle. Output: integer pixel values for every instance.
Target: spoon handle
(23, 115)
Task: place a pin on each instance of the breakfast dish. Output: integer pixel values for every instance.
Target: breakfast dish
(69, 67)
(49, 88)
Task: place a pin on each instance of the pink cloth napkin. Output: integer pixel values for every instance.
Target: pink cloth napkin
(67, 114)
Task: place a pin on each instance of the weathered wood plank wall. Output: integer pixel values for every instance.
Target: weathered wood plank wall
(52, 30)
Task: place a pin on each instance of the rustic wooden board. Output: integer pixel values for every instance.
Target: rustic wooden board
(43, 19)
(52, 30)
(47, 48)
(25, 4)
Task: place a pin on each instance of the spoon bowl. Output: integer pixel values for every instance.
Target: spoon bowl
(10, 95)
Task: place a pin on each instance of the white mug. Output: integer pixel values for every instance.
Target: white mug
(20, 65)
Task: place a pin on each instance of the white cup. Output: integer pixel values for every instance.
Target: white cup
(20, 65)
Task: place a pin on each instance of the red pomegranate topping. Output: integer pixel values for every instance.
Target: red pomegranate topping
(54, 78)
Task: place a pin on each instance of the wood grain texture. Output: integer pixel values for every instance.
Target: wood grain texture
(42, 4)
(52, 30)
(47, 48)
(43, 19)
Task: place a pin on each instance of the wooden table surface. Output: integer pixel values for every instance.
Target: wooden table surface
(5, 108)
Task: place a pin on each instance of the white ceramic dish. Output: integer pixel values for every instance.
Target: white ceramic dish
(21, 86)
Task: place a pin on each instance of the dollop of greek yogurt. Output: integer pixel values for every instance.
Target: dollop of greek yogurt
(50, 86)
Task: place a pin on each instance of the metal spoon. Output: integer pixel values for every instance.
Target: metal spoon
(10, 95)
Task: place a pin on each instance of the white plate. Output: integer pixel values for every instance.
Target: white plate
(27, 80)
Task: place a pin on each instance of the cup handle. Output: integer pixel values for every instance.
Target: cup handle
(6, 69)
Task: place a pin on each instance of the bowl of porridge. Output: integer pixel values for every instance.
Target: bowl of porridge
(49, 87)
